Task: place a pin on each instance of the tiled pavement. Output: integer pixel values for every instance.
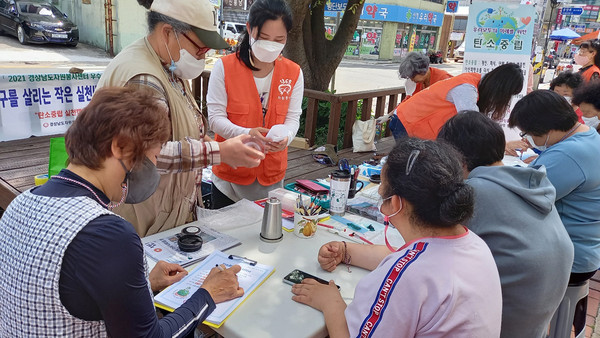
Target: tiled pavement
(592, 329)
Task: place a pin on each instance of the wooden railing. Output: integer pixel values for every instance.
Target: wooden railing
(384, 100)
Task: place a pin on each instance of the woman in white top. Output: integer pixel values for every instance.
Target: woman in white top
(442, 283)
(256, 91)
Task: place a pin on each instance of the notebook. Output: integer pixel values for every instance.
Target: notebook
(250, 278)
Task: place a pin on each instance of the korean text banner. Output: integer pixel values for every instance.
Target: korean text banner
(394, 13)
(495, 27)
(42, 104)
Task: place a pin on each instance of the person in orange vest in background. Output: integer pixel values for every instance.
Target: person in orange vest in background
(415, 69)
(426, 112)
(258, 92)
(589, 60)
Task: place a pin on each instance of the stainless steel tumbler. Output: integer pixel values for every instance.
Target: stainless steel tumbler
(271, 223)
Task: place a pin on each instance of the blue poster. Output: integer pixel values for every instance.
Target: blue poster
(500, 28)
(393, 13)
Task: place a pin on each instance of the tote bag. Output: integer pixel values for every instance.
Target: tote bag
(363, 136)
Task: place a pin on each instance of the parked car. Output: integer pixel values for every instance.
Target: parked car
(34, 21)
(231, 30)
(552, 59)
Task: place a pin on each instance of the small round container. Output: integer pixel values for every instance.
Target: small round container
(305, 226)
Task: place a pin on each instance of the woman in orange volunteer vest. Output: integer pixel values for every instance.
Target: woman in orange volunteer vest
(258, 92)
(426, 112)
(589, 60)
(415, 69)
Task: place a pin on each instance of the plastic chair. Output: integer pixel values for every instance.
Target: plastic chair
(562, 321)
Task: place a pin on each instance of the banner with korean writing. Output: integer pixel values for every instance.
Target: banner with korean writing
(42, 104)
(498, 33)
(394, 13)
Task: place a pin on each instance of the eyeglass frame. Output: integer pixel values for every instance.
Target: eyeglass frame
(201, 50)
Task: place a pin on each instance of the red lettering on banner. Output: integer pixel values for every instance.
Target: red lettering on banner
(371, 10)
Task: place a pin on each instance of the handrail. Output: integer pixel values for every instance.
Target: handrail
(385, 101)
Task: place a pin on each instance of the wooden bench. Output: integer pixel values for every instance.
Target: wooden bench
(22, 160)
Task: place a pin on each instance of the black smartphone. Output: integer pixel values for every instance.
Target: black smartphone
(297, 276)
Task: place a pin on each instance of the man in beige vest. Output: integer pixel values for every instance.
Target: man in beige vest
(181, 32)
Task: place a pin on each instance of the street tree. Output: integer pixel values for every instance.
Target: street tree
(307, 44)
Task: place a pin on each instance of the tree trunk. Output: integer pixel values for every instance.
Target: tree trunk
(307, 45)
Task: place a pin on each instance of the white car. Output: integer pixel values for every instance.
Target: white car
(232, 30)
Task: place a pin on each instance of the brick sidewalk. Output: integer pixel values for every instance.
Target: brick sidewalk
(592, 328)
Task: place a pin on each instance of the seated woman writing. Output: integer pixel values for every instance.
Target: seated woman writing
(70, 266)
(442, 282)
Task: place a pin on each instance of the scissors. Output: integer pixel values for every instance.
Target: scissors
(343, 165)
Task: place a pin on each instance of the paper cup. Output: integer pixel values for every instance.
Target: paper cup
(305, 226)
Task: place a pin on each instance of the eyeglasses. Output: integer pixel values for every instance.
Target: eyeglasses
(522, 134)
(201, 50)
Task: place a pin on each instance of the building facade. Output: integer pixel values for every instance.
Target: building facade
(388, 29)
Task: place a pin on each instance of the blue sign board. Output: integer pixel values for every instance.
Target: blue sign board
(452, 6)
(393, 13)
(336, 5)
(571, 11)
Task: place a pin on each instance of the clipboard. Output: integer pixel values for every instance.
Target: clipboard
(252, 276)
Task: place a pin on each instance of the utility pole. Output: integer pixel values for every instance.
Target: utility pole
(221, 18)
(553, 5)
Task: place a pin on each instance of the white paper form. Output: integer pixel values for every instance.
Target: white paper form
(166, 249)
(250, 277)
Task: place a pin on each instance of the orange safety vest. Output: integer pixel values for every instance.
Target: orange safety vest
(436, 76)
(587, 74)
(245, 110)
(426, 112)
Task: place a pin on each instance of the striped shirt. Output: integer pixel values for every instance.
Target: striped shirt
(182, 155)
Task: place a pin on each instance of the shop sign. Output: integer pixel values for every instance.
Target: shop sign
(452, 6)
(394, 13)
(336, 5)
(42, 104)
(499, 33)
(572, 10)
(234, 4)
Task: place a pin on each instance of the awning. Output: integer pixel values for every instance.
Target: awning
(563, 34)
(589, 36)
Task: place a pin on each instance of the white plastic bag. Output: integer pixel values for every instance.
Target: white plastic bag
(363, 136)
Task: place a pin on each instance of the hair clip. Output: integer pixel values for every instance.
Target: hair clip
(412, 158)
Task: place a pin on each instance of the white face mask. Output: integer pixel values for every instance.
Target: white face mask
(591, 122)
(410, 86)
(188, 67)
(265, 50)
(540, 148)
(568, 98)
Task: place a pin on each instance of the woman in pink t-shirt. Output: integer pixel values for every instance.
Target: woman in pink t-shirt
(442, 282)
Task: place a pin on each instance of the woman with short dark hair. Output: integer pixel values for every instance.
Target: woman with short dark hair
(570, 152)
(515, 215)
(70, 266)
(588, 100)
(434, 284)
